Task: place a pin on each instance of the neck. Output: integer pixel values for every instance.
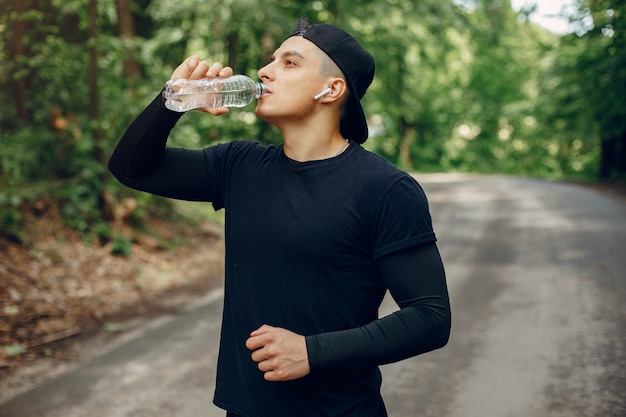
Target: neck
(310, 144)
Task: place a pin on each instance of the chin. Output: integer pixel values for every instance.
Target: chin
(262, 113)
(258, 112)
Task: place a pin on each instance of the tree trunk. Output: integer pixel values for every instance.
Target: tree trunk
(607, 156)
(233, 50)
(94, 91)
(126, 29)
(19, 87)
(404, 155)
(94, 107)
(620, 155)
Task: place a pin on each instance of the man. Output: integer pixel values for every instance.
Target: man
(317, 230)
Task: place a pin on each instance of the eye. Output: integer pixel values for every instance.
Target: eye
(290, 62)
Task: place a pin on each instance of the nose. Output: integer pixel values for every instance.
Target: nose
(264, 72)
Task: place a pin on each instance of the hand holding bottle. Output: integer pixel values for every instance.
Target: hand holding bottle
(193, 68)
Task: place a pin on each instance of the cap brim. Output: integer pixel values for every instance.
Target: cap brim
(353, 124)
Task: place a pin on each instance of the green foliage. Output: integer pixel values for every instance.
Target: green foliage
(113, 327)
(14, 349)
(594, 81)
(121, 245)
(460, 86)
(10, 216)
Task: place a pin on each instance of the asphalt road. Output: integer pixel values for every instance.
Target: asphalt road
(537, 277)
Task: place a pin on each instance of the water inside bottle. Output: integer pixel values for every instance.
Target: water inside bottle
(182, 95)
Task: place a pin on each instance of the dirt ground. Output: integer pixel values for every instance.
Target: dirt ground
(59, 291)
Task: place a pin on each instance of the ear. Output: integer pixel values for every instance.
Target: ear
(338, 89)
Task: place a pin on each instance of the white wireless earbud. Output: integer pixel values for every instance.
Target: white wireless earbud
(322, 94)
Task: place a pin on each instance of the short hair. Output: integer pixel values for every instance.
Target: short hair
(329, 67)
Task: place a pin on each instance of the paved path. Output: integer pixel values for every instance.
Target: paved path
(537, 276)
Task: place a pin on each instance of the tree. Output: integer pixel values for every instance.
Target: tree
(461, 85)
(603, 60)
(589, 84)
(127, 33)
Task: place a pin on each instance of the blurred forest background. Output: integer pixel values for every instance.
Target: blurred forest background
(467, 86)
(461, 86)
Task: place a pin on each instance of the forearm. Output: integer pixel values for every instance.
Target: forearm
(142, 161)
(417, 281)
(142, 146)
(409, 332)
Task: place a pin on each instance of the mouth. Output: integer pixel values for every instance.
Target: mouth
(266, 91)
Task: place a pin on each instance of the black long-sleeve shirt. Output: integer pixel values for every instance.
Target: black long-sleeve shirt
(311, 247)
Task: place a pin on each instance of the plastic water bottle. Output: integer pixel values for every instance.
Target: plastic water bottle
(236, 91)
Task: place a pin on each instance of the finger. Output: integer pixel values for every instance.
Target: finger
(262, 330)
(271, 376)
(255, 342)
(225, 72)
(259, 356)
(278, 375)
(216, 111)
(265, 366)
(191, 63)
(214, 70)
(200, 70)
(186, 67)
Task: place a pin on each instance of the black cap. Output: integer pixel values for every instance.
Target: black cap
(357, 66)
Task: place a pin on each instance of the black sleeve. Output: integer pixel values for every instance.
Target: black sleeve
(416, 280)
(142, 161)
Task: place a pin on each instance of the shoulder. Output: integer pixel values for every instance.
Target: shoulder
(375, 171)
(380, 187)
(240, 149)
(238, 146)
(375, 165)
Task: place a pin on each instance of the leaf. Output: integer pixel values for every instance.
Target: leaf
(11, 310)
(14, 349)
(113, 327)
